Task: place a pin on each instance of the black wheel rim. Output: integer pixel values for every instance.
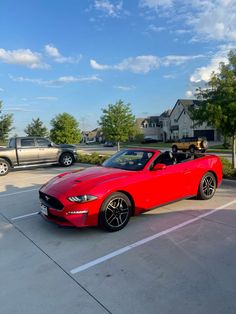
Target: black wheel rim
(117, 212)
(208, 186)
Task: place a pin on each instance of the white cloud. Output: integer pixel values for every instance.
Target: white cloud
(97, 66)
(169, 76)
(18, 109)
(63, 80)
(24, 57)
(140, 64)
(189, 94)
(207, 19)
(204, 73)
(214, 19)
(177, 60)
(109, 8)
(47, 98)
(156, 29)
(144, 64)
(54, 53)
(125, 88)
(156, 4)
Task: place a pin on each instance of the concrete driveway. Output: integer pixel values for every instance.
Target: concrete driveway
(178, 258)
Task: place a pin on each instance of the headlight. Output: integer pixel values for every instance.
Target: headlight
(82, 198)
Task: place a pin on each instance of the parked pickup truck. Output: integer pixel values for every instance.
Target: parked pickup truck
(34, 151)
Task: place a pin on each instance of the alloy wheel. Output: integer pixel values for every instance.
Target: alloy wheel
(117, 212)
(208, 186)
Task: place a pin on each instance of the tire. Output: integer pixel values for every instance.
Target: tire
(115, 212)
(4, 167)
(192, 149)
(204, 144)
(66, 159)
(203, 151)
(174, 149)
(207, 186)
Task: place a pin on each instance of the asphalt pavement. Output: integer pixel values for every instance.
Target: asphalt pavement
(178, 258)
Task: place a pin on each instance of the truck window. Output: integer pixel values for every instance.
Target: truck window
(42, 142)
(12, 143)
(27, 142)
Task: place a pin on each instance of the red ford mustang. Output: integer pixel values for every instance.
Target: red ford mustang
(130, 182)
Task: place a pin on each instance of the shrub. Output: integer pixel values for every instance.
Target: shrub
(93, 158)
(228, 171)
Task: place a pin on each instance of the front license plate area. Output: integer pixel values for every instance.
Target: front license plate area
(44, 209)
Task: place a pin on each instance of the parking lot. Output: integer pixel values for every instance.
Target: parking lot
(178, 258)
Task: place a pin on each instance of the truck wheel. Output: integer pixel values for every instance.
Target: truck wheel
(204, 144)
(66, 160)
(4, 167)
(192, 149)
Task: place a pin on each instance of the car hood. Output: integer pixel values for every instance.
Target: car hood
(85, 180)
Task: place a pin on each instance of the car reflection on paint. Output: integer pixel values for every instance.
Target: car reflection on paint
(130, 182)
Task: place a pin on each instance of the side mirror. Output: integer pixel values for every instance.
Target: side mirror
(159, 167)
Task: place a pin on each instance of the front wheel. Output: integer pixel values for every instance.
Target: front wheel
(115, 212)
(4, 167)
(66, 160)
(207, 186)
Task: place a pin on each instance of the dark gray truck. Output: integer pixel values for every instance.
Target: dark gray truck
(34, 151)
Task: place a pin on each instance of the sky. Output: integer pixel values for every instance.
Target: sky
(78, 56)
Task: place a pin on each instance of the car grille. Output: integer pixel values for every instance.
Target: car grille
(51, 201)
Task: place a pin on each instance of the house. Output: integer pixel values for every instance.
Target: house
(181, 125)
(150, 127)
(165, 123)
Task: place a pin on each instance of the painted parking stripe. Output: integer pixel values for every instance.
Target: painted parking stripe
(146, 240)
(18, 192)
(25, 216)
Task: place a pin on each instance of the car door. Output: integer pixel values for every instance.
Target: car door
(169, 184)
(27, 151)
(47, 152)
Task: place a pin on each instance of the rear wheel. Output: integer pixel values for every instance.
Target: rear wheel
(192, 149)
(115, 212)
(4, 167)
(66, 160)
(207, 186)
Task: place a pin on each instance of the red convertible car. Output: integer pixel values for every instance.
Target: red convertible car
(130, 182)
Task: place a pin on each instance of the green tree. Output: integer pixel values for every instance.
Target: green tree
(6, 121)
(118, 123)
(36, 128)
(218, 98)
(65, 129)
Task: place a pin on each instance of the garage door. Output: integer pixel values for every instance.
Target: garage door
(209, 134)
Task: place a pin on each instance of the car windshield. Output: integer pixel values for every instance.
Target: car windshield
(129, 160)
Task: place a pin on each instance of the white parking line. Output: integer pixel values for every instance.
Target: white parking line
(24, 216)
(145, 240)
(18, 192)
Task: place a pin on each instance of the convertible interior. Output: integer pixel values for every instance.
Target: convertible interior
(168, 158)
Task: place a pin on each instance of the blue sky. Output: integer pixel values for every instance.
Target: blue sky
(78, 56)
